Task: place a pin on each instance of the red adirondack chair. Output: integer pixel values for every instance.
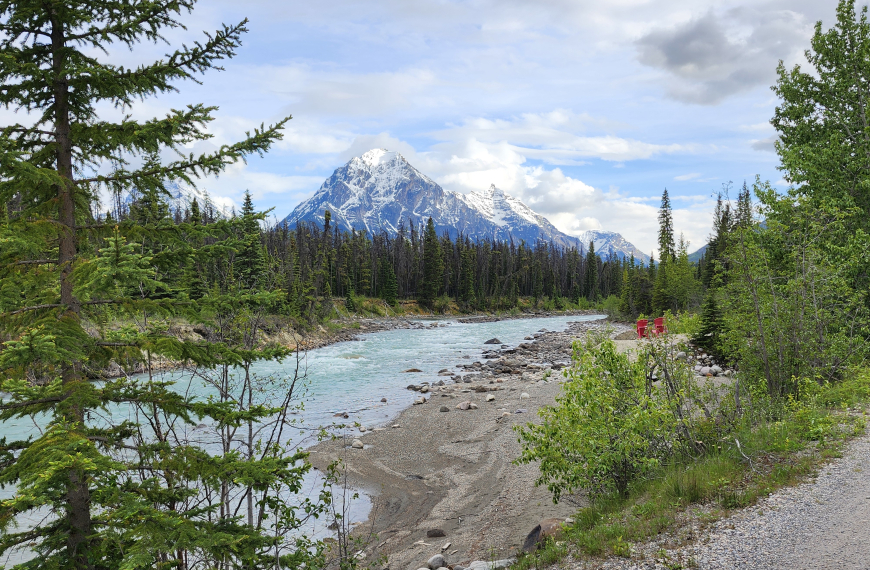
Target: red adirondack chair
(641, 328)
(660, 326)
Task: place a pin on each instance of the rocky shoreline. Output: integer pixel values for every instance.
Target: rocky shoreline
(349, 330)
(441, 475)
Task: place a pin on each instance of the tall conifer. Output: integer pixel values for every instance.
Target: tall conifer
(105, 492)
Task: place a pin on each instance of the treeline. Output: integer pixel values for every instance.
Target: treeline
(315, 263)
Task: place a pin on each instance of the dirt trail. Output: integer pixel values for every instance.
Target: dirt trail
(823, 524)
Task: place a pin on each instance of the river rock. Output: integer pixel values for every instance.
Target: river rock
(413, 387)
(524, 396)
(444, 409)
(362, 429)
(490, 397)
(463, 405)
(424, 389)
(435, 533)
(411, 370)
(472, 406)
(436, 561)
(493, 341)
(716, 369)
(384, 400)
(681, 355)
(357, 444)
(420, 400)
(705, 370)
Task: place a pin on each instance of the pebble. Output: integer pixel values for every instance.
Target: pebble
(383, 400)
(357, 444)
(490, 397)
(524, 396)
(444, 409)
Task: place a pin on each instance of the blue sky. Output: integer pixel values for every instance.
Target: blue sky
(584, 109)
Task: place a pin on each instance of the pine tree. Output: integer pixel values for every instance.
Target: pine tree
(432, 266)
(120, 493)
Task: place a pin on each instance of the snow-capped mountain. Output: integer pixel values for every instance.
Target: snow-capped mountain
(180, 197)
(611, 242)
(380, 190)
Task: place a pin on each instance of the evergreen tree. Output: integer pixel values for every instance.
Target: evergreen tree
(667, 247)
(388, 284)
(712, 327)
(105, 492)
(591, 277)
(466, 280)
(432, 266)
(250, 262)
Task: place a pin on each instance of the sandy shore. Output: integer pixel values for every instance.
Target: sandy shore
(452, 470)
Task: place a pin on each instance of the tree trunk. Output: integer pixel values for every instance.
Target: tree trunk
(78, 494)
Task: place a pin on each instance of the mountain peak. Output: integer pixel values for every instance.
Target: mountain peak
(378, 156)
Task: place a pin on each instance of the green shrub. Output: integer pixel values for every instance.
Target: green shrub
(609, 425)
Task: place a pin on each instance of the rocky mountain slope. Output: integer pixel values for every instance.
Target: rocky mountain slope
(380, 191)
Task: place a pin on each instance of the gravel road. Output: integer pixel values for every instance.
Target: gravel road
(823, 524)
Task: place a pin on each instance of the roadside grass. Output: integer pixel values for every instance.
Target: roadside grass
(772, 453)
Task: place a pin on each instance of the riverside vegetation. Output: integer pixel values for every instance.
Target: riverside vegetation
(786, 303)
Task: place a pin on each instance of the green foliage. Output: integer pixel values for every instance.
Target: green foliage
(388, 286)
(609, 426)
(432, 266)
(113, 479)
(712, 326)
(792, 305)
(683, 323)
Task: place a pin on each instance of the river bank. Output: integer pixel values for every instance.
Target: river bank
(438, 468)
(279, 331)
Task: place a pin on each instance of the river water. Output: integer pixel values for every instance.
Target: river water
(354, 376)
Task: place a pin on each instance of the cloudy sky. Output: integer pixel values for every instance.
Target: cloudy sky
(585, 109)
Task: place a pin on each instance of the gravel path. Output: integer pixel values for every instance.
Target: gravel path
(823, 524)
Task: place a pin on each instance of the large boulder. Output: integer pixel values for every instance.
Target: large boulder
(548, 528)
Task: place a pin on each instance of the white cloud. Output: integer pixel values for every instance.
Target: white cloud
(689, 176)
(554, 138)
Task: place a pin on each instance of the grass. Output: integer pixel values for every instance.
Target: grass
(780, 450)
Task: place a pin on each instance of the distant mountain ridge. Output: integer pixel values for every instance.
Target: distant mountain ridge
(380, 190)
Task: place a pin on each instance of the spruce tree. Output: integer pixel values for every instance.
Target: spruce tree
(388, 285)
(667, 247)
(250, 262)
(107, 492)
(432, 266)
(591, 277)
(466, 280)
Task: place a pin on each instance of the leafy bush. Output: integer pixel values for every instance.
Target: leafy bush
(609, 425)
